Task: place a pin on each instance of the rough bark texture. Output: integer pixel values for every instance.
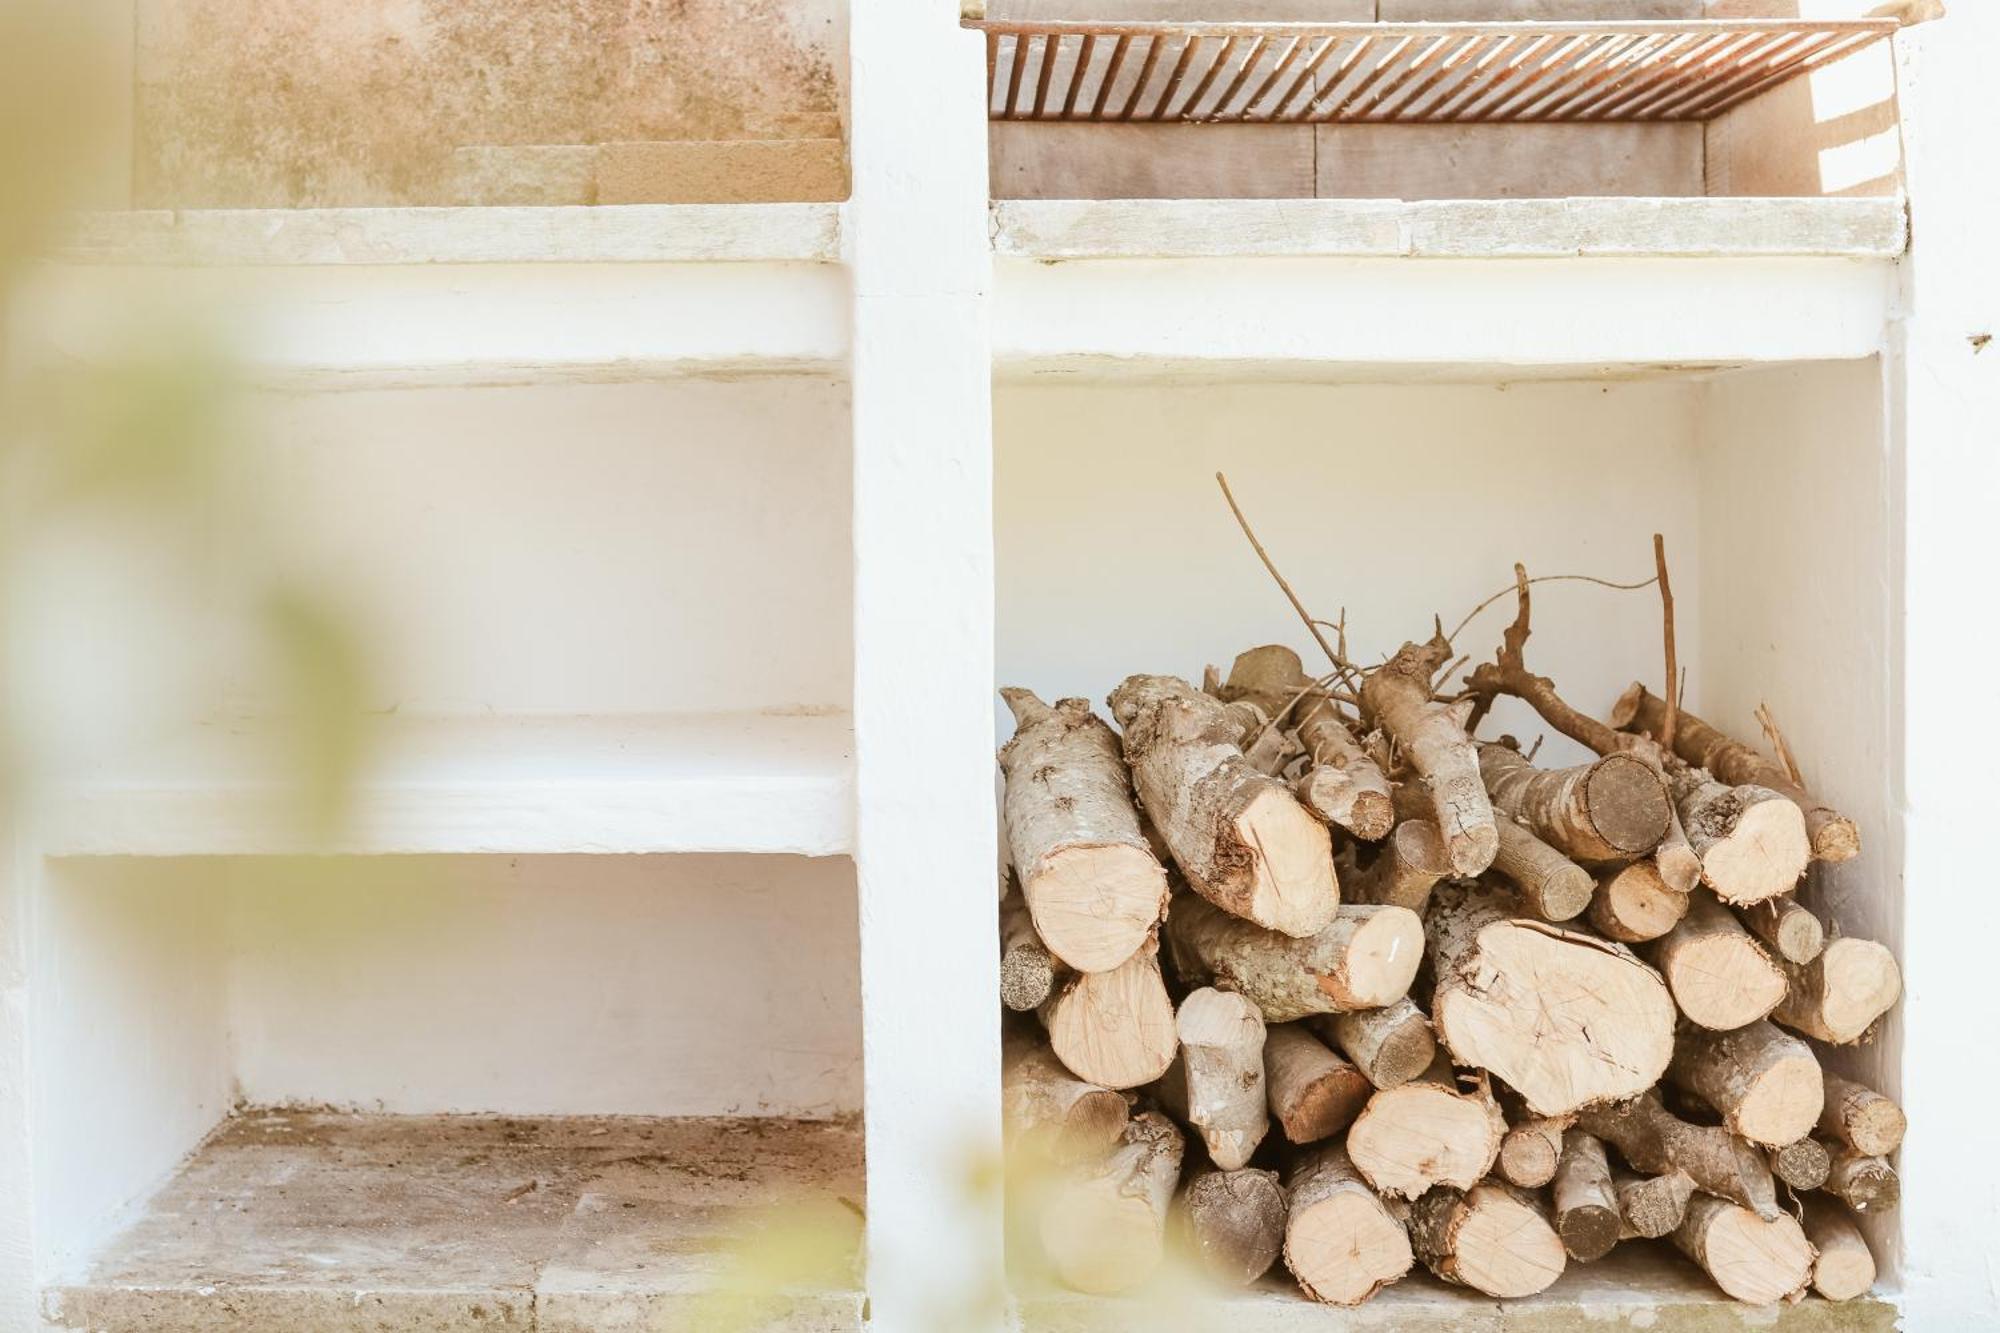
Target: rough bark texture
(1764, 1082)
(1832, 836)
(1844, 1268)
(1427, 1132)
(1341, 783)
(1530, 1151)
(1633, 904)
(1792, 932)
(1049, 1111)
(1431, 737)
(1090, 880)
(1838, 996)
(1365, 958)
(1217, 1082)
(1116, 1028)
(1803, 1164)
(1410, 862)
(1586, 1210)
(1864, 1183)
(1390, 1045)
(1754, 1259)
(1721, 978)
(1239, 836)
(1103, 1232)
(1235, 1223)
(1751, 841)
(1861, 1118)
(1651, 1206)
(1565, 1019)
(1313, 1092)
(1549, 885)
(1027, 969)
(1655, 1142)
(1610, 809)
(1341, 1243)
(1489, 1238)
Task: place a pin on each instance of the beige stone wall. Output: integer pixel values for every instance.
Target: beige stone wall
(302, 103)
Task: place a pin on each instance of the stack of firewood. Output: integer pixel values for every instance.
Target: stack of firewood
(1421, 999)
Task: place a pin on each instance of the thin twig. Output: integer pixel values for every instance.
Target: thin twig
(1668, 722)
(1777, 741)
(1265, 556)
(1549, 578)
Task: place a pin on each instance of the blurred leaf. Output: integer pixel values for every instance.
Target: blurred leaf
(812, 1243)
(322, 679)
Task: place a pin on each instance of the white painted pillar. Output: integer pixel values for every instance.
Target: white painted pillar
(17, 1193)
(923, 669)
(1950, 387)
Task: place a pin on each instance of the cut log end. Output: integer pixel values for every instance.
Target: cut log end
(1802, 1164)
(1634, 904)
(1861, 1118)
(1793, 932)
(1490, 1239)
(1765, 1082)
(1652, 1206)
(1586, 1205)
(1833, 836)
(1094, 905)
(1294, 891)
(1628, 804)
(1313, 1092)
(1235, 1223)
(1530, 1151)
(1865, 1184)
(1116, 1028)
(1341, 1243)
(1390, 1045)
(1425, 1133)
(1383, 953)
(1838, 996)
(1721, 978)
(1755, 1260)
(1752, 842)
(1844, 1268)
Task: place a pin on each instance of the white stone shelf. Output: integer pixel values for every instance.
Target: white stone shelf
(1493, 289)
(353, 1223)
(729, 782)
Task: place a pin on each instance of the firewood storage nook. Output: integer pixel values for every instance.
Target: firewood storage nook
(699, 537)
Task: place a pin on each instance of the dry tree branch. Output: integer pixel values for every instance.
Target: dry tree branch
(1673, 698)
(1340, 664)
(1776, 739)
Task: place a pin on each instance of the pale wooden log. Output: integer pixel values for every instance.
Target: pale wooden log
(1341, 783)
(1652, 1140)
(1239, 836)
(1103, 1230)
(1838, 996)
(1861, 1118)
(1090, 880)
(1754, 1259)
(1586, 1206)
(1341, 1243)
(1531, 1150)
(1803, 1164)
(1431, 737)
(1116, 1028)
(1050, 1112)
(1831, 835)
(1549, 886)
(1611, 809)
(1721, 978)
(1429, 1131)
(1651, 1206)
(1411, 860)
(1027, 969)
(1565, 1019)
(1235, 1222)
(1864, 1183)
(1751, 841)
(1489, 1238)
(1313, 1092)
(1844, 1267)
(1765, 1082)
(1216, 1085)
(1365, 958)
(1792, 931)
(1390, 1045)
(1633, 904)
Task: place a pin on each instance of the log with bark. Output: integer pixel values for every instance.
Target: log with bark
(1390, 1045)
(1216, 1085)
(1241, 838)
(1491, 1238)
(1651, 1206)
(1831, 835)
(1116, 1028)
(1720, 977)
(1861, 1118)
(1531, 1150)
(1429, 1131)
(1409, 863)
(1632, 904)
(1792, 932)
(1103, 1230)
(1765, 1083)
(1864, 1183)
(1235, 1222)
(1432, 739)
(1049, 1111)
(1313, 1092)
(1755, 1259)
(1843, 1267)
(1653, 1141)
(1342, 783)
(1565, 1019)
(1586, 1205)
(1751, 841)
(1612, 809)
(1803, 1163)
(1364, 958)
(1027, 969)
(1341, 1243)
(1091, 882)
(1548, 885)
(1839, 994)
